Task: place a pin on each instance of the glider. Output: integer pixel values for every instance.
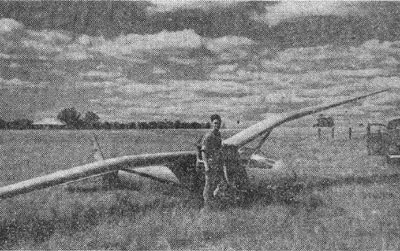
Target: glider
(248, 169)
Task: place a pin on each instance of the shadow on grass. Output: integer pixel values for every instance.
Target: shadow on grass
(359, 180)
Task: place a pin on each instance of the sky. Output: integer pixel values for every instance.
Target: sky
(156, 60)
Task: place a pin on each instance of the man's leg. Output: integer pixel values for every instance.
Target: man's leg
(206, 191)
(211, 183)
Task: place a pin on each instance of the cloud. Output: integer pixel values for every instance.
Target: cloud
(8, 25)
(372, 72)
(98, 84)
(134, 44)
(170, 6)
(114, 101)
(227, 42)
(158, 70)
(387, 82)
(41, 47)
(100, 75)
(74, 52)
(52, 37)
(16, 83)
(87, 40)
(140, 89)
(226, 68)
(382, 103)
(46, 42)
(288, 10)
(273, 65)
(74, 55)
(5, 56)
(14, 65)
(182, 61)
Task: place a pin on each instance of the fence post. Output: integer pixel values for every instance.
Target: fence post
(333, 132)
(319, 133)
(350, 132)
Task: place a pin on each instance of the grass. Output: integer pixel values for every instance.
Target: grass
(351, 201)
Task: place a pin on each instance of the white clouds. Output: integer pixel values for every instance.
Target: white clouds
(182, 61)
(287, 10)
(381, 100)
(116, 101)
(46, 42)
(14, 65)
(90, 41)
(101, 74)
(285, 96)
(52, 37)
(227, 42)
(140, 89)
(73, 54)
(241, 76)
(8, 25)
(372, 72)
(226, 68)
(158, 70)
(16, 83)
(168, 6)
(98, 84)
(388, 82)
(132, 44)
(41, 47)
(5, 56)
(272, 65)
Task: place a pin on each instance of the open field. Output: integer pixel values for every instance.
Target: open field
(360, 210)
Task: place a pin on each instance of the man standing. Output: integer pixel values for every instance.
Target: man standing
(211, 154)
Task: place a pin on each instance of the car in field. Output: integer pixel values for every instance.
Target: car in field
(384, 139)
(323, 121)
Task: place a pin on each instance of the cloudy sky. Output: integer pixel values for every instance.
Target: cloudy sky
(130, 61)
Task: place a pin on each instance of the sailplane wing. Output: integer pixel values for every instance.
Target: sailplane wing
(242, 138)
(88, 170)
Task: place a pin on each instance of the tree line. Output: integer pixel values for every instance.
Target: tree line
(73, 119)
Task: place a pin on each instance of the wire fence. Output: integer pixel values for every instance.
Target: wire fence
(322, 133)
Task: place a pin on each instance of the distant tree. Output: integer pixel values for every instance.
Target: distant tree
(170, 124)
(97, 125)
(90, 119)
(153, 124)
(195, 125)
(20, 124)
(177, 124)
(143, 125)
(3, 124)
(132, 125)
(71, 117)
(106, 125)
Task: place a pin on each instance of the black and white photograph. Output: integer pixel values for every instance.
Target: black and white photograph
(199, 125)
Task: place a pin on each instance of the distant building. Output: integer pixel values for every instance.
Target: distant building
(49, 123)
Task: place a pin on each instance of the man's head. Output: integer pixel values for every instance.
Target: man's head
(215, 122)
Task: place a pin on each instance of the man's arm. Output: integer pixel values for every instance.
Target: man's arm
(205, 159)
(225, 173)
(204, 148)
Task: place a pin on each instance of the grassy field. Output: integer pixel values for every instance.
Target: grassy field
(357, 208)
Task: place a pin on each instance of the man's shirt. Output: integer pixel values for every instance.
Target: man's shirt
(211, 144)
